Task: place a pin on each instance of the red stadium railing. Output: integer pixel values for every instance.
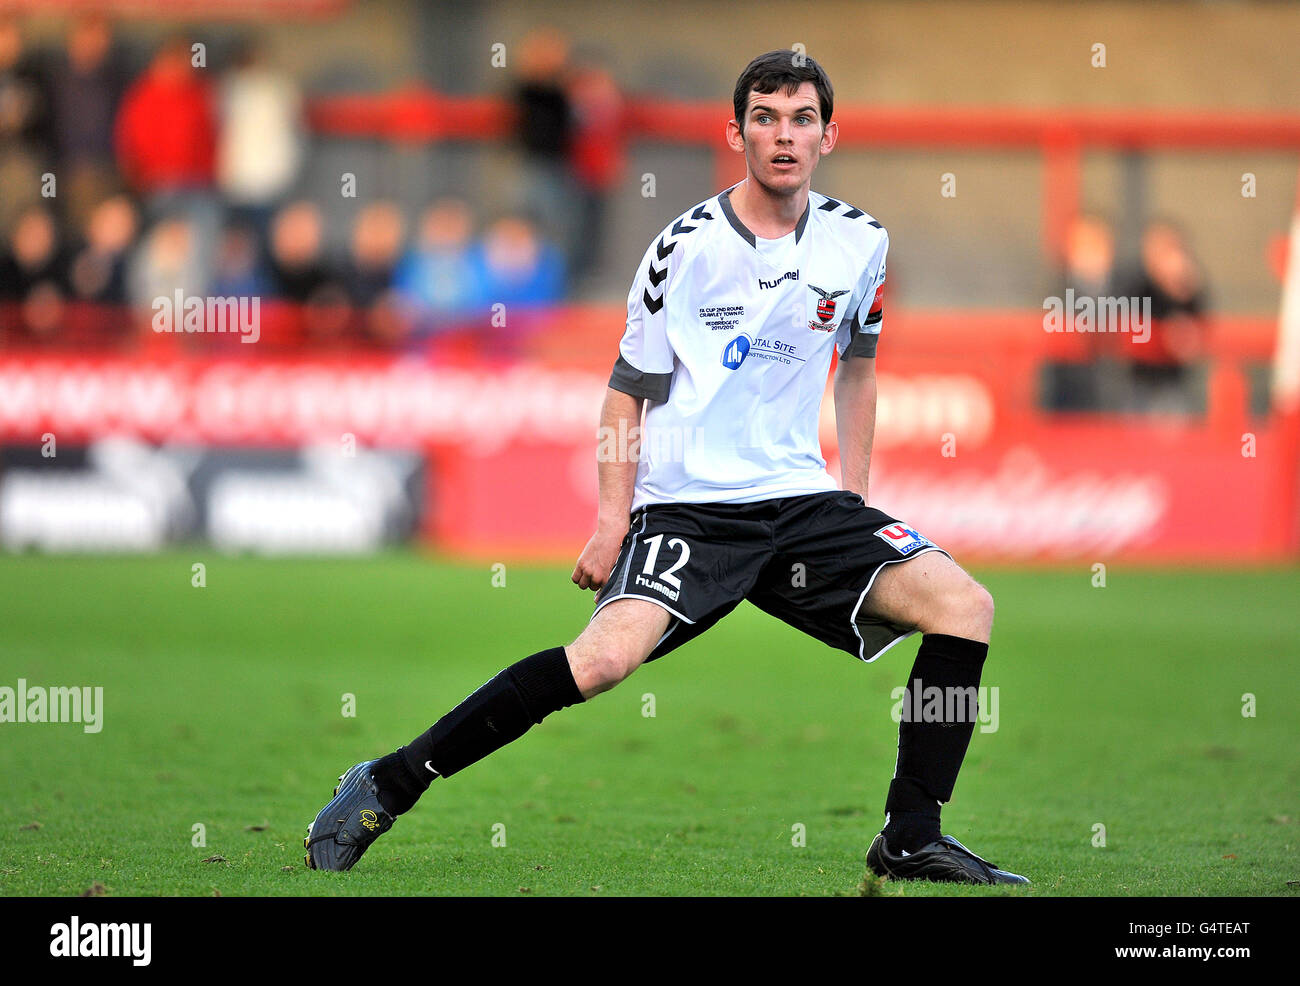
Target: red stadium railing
(419, 115)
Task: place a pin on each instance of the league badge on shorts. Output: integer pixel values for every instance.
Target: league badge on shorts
(825, 309)
(903, 538)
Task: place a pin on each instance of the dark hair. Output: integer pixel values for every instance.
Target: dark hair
(782, 69)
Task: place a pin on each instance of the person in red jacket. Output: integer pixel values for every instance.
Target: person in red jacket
(166, 130)
(596, 158)
(166, 137)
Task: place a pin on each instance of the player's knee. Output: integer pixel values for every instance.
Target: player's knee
(599, 670)
(983, 603)
(963, 609)
(612, 670)
(974, 605)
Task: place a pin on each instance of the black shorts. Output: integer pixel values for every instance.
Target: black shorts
(807, 560)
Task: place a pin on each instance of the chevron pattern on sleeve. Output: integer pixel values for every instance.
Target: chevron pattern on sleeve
(655, 275)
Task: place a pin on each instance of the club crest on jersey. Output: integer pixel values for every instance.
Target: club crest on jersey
(903, 538)
(825, 308)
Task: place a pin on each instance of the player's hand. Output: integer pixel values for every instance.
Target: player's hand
(597, 559)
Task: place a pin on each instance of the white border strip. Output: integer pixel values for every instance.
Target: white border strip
(853, 620)
(645, 599)
(624, 594)
(631, 550)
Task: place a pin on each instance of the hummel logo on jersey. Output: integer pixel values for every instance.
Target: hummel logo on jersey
(790, 275)
(825, 307)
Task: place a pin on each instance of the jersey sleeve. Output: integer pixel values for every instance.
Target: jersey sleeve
(860, 331)
(645, 357)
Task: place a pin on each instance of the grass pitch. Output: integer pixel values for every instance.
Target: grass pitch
(224, 729)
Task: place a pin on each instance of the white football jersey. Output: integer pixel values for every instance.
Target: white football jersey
(729, 339)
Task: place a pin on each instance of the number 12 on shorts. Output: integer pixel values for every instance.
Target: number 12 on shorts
(655, 544)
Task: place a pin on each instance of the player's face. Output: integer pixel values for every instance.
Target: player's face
(784, 137)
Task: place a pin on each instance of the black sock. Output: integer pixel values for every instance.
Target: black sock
(910, 830)
(498, 713)
(399, 788)
(930, 753)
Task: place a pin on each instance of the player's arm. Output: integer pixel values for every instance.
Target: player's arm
(620, 424)
(855, 378)
(855, 420)
(643, 372)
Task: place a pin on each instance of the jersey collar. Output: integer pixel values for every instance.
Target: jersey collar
(724, 200)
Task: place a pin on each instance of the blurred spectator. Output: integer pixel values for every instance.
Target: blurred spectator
(599, 147)
(300, 273)
(166, 131)
(166, 147)
(1076, 383)
(544, 128)
(1161, 370)
(25, 140)
(1090, 257)
(86, 91)
(441, 277)
(97, 276)
(166, 261)
(238, 271)
(260, 148)
(32, 254)
(520, 268)
(298, 267)
(98, 272)
(375, 250)
(33, 276)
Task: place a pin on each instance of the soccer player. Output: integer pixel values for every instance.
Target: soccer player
(731, 322)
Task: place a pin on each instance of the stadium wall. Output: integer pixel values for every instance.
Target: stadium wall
(493, 456)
